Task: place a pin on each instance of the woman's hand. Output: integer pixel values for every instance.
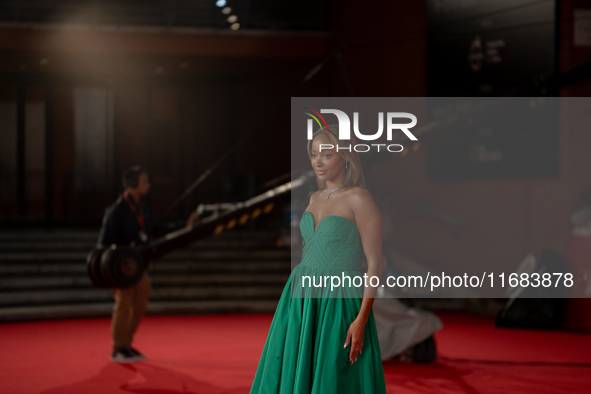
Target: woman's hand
(355, 336)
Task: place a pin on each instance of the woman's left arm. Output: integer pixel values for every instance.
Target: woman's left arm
(369, 223)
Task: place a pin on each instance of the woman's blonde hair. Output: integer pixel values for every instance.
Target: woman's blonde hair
(353, 174)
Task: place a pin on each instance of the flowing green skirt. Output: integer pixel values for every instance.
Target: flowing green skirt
(304, 351)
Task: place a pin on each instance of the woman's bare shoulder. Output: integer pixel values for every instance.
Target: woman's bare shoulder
(359, 193)
(361, 198)
(314, 195)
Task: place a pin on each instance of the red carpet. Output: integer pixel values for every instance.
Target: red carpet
(219, 354)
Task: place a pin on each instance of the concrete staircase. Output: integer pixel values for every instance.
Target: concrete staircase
(43, 275)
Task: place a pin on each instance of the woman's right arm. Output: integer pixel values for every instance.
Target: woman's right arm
(368, 220)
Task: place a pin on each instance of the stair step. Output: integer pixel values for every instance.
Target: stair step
(226, 279)
(192, 278)
(43, 297)
(92, 236)
(219, 266)
(34, 236)
(45, 246)
(154, 307)
(222, 254)
(160, 266)
(246, 254)
(41, 257)
(26, 283)
(43, 275)
(86, 246)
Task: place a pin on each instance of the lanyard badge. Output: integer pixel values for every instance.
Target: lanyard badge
(139, 217)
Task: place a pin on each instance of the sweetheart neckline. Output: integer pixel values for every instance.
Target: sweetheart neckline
(327, 216)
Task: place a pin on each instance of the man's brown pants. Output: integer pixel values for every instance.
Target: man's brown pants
(130, 306)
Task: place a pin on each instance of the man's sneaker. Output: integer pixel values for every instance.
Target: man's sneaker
(137, 354)
(123, 356)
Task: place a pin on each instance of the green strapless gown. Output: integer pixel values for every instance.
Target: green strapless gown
(304, 350)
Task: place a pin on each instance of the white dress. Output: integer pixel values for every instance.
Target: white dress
(400, 327)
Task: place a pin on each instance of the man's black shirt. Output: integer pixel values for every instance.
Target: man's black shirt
(120, 225)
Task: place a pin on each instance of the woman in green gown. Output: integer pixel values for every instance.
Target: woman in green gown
(323, 339)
